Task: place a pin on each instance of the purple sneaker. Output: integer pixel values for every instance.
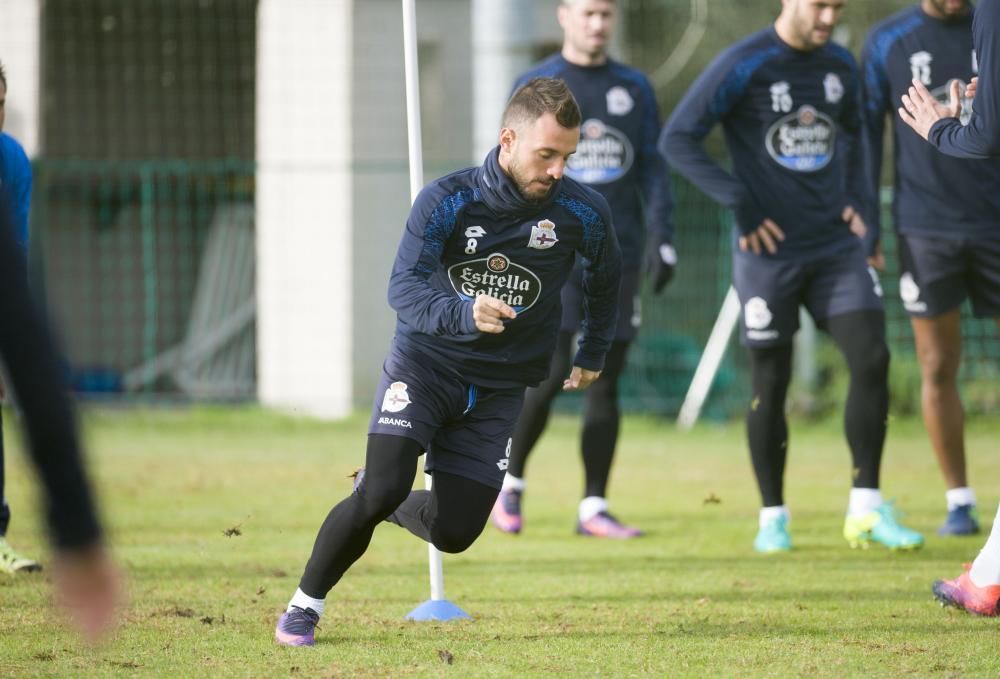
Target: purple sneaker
(296, 627)
(506, 514)
(603, 525)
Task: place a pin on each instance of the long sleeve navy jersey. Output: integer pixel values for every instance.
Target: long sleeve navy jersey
(15, 182)
(791, 125)
(934, 194)
(617, 153)
(472, 233)
(980, 138)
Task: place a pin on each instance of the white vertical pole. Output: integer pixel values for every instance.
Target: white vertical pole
(416, 183)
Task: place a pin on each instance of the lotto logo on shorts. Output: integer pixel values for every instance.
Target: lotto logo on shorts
(395, 398)
(876, 285)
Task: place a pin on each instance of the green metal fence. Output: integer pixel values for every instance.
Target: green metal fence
(141, 263)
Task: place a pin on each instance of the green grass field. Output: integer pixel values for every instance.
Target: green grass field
(690, 599)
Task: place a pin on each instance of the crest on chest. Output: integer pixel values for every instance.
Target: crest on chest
(543, 235)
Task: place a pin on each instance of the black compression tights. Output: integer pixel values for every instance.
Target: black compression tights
(860, 336)
(767, 430)
(601, 416)
(451, 516)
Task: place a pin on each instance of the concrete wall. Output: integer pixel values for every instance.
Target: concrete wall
(20, 55)
(304, 205)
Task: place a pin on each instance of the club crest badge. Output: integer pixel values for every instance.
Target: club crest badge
(396, 398)
(543, 235)
(619, 101)
(756, 313)
(833, 88)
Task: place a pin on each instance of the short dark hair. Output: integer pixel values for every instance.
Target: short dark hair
(539, 96)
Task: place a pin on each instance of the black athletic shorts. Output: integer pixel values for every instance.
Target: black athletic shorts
(772, 290)
(938, 274)
(465, 429)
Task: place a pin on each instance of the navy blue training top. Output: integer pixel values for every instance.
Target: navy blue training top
(935, 194)
(472, 233)
(791, 125)
(617, 152)
(15, 183)
(980, 138)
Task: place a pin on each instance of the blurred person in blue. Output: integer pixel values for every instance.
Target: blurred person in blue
(476, 288)
(977, 588)
(787, 99)
(946, 213)
(15, 183)
(87, 583)
(616, 156)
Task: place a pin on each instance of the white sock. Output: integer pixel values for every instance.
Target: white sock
(592, 506)
(863, 501)
(986, 568)
(956, 497)
(769, 514)
(304, 601)
(513, 483)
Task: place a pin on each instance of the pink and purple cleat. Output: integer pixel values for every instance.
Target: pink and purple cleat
(506, 514)
(963, 593)
(604, 525)
(296, 627)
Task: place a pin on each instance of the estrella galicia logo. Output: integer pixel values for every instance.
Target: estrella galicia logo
(803, 141)
(604, 154)
(498, 277)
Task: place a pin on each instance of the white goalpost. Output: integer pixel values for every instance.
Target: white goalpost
(437, 607)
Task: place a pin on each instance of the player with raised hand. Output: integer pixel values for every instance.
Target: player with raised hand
(977, 588)
(617, 157)
(941, 124)
(947, 214)
(15, 181)
(787, 100)
(475, 286)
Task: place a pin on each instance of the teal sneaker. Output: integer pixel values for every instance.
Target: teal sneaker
(773, 537)
(12, 562)
(881, 525)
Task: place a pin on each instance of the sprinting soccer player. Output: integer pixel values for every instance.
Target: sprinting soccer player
(475, 286)
(947, 215)
(787, 99)
(86, 581)
(15, 180)
(617, 156)
(977, 589)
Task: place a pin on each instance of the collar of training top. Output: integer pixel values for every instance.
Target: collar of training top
(500, 192)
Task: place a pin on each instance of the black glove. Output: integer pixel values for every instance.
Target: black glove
(661, 262)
